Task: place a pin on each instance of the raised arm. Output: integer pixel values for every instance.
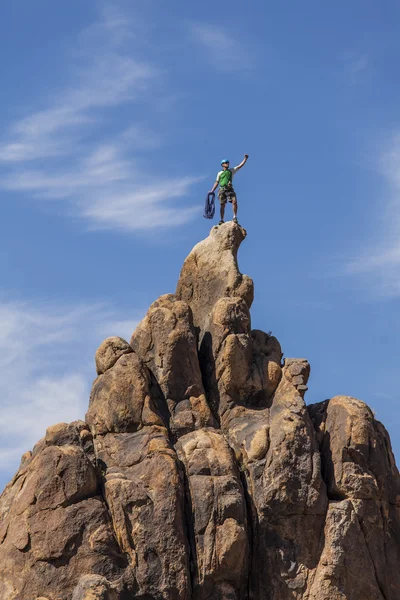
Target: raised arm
(244, 161)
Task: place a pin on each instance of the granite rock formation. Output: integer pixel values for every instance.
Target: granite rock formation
(199, 471)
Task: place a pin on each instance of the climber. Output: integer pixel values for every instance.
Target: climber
(226, 191)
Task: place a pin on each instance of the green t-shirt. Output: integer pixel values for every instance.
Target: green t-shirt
(225, 177)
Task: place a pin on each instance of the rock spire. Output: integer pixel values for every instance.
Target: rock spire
(199, 471)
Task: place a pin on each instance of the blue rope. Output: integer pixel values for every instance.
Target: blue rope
(209, 209)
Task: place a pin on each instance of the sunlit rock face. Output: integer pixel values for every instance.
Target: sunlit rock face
(199, 471)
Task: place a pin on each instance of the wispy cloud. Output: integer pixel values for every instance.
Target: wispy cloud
(101, 179)
(356, 67)
(379, 261)
(46, 379)
(225, 52)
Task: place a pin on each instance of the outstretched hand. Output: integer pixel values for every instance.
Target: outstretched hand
(246, 156)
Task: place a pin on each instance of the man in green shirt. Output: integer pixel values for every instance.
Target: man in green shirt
(226, 191)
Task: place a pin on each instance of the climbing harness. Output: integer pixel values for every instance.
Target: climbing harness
(209, 209)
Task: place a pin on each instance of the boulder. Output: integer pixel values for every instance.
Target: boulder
(121, 399)
(166, 342)
(109, 352)
(218, 521)
(55, 524)
(363, 487)
(144, 491)
(211, 272)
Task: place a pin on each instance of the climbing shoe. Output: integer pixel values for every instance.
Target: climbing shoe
(235, 220)
(221, 222)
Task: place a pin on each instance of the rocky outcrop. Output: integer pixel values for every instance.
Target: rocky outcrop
(200, 473)
(55, 524)
(167, 343)
(361, 549)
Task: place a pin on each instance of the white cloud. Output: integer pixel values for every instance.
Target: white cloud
(46, 369)
(379, 262)
(225, 51)
(357, 66)
(110, 81)
(122, 327)
(29, 411)
(101, 180)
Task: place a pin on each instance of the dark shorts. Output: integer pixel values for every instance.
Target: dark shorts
(226, 194)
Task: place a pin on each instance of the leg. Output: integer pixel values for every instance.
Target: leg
(232, 198)
(234, 206)
(222, 201)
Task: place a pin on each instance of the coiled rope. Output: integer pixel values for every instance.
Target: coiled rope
(209, 209)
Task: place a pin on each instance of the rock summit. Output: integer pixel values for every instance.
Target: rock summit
(199, 471)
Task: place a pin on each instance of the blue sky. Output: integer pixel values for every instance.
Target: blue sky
(114, 118)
